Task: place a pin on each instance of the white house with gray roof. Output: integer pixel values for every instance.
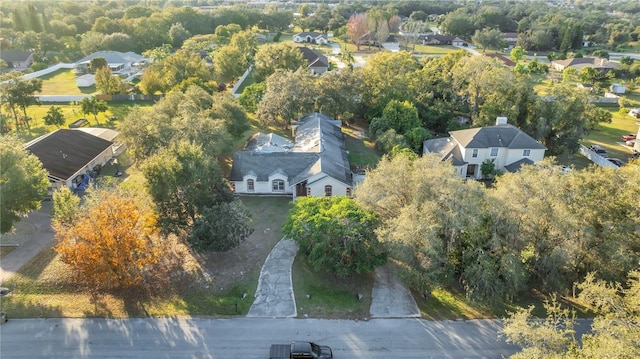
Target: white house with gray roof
(507, 145)
(119, 62)
(315, 163)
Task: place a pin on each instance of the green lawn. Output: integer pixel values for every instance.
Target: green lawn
(322, 295)
(608, 135)
(71, 112)
(63, 82)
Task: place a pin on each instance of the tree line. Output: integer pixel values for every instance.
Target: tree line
(538, 228)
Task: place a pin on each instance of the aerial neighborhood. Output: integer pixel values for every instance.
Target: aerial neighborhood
(391, 160)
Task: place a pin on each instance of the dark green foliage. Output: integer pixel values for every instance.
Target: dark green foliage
(23, 182)
(221, 227)
(54, 117)
(335, 234)
(183, 183)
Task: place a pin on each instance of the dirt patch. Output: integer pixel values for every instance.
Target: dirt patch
(218, 272)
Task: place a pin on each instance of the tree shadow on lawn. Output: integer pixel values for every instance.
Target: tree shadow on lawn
(28, 308)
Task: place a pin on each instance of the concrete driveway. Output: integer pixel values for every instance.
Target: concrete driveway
(31, 244)
(274, 296)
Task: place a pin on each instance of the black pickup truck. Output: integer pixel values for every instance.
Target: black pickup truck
(300, 350)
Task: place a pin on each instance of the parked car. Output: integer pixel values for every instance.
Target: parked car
(616, 161)
(628, 137)
(599, 150)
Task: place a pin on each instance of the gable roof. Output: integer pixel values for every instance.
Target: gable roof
(313, 34)
(114, 57)
(318, 148)
(507, 136)
(315, 59)
(14, 55)
(446, 148)
(581, 62)
(504, 60)
(64, 152)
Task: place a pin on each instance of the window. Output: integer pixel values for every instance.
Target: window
(250, 185)
(277, 186)
(494, 152)
(327, 191)
(526, 153)
(475, 153)
(308, 191)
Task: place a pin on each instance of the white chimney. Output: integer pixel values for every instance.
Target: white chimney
(501, 121)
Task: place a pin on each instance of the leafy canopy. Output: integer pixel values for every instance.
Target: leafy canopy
(335, 234)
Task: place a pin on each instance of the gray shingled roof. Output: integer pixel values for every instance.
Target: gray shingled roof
(446, 148)
(114, 57)
(318, 148)
(265, 143)
(13, 55)
(514, 167)
(507, 136)
(314, 58)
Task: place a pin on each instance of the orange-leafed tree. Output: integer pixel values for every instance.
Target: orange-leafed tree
(112, 242)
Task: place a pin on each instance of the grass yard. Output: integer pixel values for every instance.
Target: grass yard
(608, 135)
(322, 295)
(63, 82)
(362, 151)
(434, 50)
(212, 284)
(72, 112)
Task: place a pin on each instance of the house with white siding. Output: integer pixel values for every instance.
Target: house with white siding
(315, 163)
(508, 147)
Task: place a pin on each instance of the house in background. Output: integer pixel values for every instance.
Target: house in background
(315, 163)
(440, 39)
(311, 38)
(598, 63)
(507, 62)
(505, 144)
(118, 62)
(511, 38)
(17, 59)
(318, 63)
(71, 155)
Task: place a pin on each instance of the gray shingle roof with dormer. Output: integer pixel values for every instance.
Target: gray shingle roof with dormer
(318, 148)
(495, 136)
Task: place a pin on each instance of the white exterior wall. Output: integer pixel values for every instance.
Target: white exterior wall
(263, 187)
(515, 155)
(317, 188)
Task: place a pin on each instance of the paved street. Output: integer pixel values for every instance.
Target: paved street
(248, 338)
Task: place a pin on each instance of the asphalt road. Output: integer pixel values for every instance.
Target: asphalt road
(248, 338)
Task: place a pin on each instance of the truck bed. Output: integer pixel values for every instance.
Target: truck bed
(280, 351)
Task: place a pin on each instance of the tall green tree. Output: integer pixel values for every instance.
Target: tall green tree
(18, 92)
(424, 207)
(288, 95)
(281, 56)
(54, 117)
(335, 234)
(614, 332)
(23, 182)
(183, 183)
(107, 83)
(93, 106)
(488, 39)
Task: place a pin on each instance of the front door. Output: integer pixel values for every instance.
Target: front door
(471, 171)
(301, 189)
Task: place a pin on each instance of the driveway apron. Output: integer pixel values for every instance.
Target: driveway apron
(390, 298)
(274, 295)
